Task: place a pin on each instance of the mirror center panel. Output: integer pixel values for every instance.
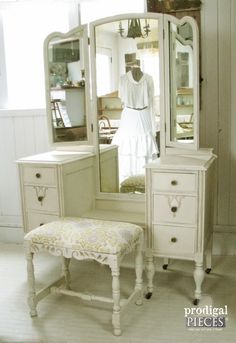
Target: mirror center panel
(128, 100)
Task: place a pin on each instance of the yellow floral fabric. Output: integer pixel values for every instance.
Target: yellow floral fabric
(84, 234)
(133, 184)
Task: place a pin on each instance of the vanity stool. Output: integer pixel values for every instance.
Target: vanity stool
(81, 238)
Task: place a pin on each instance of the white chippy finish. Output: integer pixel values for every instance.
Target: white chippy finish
(81, 238)
(52, 184)
(179, 213)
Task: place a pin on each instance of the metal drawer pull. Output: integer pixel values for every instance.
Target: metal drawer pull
(41, 193)
(38, 175)
(41, 224)
(174, 182)
(174, 239)
(174, 209)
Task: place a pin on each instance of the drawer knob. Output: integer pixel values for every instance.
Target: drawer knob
(41, 224)
(174, 239)
(174, 182)
(38, 175)
(40, 198)
(174, 209)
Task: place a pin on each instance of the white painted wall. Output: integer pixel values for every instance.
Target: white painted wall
(22, 133)
(218, 117)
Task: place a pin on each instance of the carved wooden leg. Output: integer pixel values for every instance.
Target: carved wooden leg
(31, 285)
(150, 271)
(209, 257)
(139, 273)
(198, 277)
(116, 299)
(66, 271)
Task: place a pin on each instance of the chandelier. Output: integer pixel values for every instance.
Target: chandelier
(134, 29)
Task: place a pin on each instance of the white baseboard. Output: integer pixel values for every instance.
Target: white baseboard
(11, 235)
(224, 243)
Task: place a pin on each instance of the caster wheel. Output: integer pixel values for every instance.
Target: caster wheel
(165, 266)
(196, 301)
(208, 270)
(148, 295)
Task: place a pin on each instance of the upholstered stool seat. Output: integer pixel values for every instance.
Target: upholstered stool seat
(82, 238)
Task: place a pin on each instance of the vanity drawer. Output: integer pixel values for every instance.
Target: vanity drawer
(176, 208)
(40, 175)
(41, 198)
(174, 241)
(35, 219)
(173, 182)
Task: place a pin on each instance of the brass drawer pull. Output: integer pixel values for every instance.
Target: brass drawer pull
(174, 209)
(41, 193)
(38, 175)
(174, 239)
(40, 198)
(174, 182)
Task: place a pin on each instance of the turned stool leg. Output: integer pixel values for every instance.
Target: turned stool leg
(31, 285)
(139, 273)
(116, 300)
(66, 271)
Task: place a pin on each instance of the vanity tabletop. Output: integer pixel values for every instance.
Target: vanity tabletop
(187, 162)
(56, 156)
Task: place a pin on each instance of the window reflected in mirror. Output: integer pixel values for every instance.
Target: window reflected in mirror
(181, 83)
(128, 98)
(67, 89)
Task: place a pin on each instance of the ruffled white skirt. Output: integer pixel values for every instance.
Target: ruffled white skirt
(136, 142)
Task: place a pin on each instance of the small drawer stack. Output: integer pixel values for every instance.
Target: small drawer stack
(55, 184)
(174, 200)
(41, 195)
(179, 214)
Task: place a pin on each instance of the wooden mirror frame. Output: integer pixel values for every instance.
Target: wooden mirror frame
(82, 33)
(159, 17)
(168, 146)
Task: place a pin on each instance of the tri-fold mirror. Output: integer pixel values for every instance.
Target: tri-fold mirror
(142, 98)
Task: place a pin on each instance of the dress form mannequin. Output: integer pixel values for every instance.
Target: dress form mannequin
(135, 136)
(137, 73)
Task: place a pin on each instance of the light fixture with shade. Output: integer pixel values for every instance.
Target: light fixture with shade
(134, 29)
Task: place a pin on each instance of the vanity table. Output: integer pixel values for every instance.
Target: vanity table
(81, 177)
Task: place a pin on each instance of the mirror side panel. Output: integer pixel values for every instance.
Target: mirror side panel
(67, 85)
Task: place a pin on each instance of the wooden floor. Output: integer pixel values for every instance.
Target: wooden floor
(64, 319)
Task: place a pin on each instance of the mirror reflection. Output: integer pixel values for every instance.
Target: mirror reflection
(67, 89)
(128, 93)
(181, 83)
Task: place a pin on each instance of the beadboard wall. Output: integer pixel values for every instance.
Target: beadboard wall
(218, 115)
(24, 133)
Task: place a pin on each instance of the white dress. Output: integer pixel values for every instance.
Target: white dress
(136, 135)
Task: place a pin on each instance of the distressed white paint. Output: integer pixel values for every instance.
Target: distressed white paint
(24, 133)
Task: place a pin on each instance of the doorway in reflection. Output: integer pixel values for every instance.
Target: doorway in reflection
(67, 89)
(128, 93)
(181, 88)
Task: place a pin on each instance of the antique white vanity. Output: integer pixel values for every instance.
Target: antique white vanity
(81, 176)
